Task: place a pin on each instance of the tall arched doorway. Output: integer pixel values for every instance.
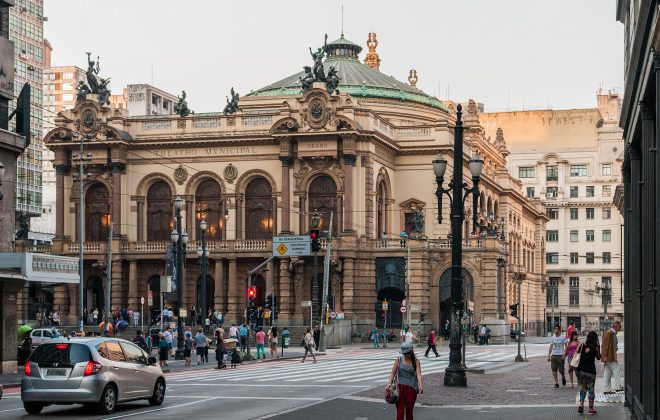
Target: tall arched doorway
(159, 212)
(323, 198)
(97, 213)
(390, 286)
(258, 209)
(154, 288)
(210, 293)
(94, 294)
(445, 293)
(381, 210)
(208, 204)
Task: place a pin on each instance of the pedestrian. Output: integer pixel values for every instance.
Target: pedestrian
(475, 333)
(487, 336)
(56, 318)
(586, 370)
(374, 336)
(26, 349)
(168, 338)
(430, 341)
(408, 337)
(272, 340)
(136, 318)
(317, 337)
(193, 316)
(608, 357)
(200, 343)
(220, 349)
(243, 337)
(233, 331)
(308, 342)
(569, 330)
(570, 352)
(447, 330)
(482, 335)
(206, 349)
(163, 350)
(556, 355)
(139, 341)
(260, 339)
(187, 348)
(408, 373)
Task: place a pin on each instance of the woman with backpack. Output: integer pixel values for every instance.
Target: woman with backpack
(407, 372)
(586, 370)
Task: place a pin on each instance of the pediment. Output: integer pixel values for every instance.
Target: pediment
(412, 203)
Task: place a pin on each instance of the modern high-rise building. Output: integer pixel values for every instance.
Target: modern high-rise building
(571, 160)
(26, 30)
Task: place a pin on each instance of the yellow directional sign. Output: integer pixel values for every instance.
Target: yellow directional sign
(282, 249)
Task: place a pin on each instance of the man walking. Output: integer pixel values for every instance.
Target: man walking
(430, 341)
(609, 348)
(243, 335)
(233, 331)
(556, 355)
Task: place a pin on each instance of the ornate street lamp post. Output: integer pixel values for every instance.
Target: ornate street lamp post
(203, 254)
(179, 244)
(455, 372)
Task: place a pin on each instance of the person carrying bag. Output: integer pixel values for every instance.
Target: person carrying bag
(408, 374)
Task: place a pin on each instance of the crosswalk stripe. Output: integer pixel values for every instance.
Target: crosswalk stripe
(305, 370)
(364, 370)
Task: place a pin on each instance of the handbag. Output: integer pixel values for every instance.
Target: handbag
(392, 391)
(575, 361)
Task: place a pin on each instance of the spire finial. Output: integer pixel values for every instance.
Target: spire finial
(342, 20)
(372, 60)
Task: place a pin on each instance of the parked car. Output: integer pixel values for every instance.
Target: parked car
(101, 371)
(41, 335)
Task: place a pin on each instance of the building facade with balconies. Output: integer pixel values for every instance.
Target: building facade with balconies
(361, 154)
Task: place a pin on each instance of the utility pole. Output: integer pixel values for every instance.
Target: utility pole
(247, 297)
(81, 229)
(108, 280)
(326, 277)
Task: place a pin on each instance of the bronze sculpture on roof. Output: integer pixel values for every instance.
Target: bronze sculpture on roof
(181, 106)
(232, 104)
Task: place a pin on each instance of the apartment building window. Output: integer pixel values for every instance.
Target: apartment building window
(67, 97)
(590, 235)
(552, 213)
(589, 257)
(578, 170)
(574, 213)
(552, 292)
(552, 236)
(574, 291)
(607, 190)
(530, 192)
(574, 192)
(606, 169)
(552, 258)
(574, 257)
(607, 285)
(551, 173)
(574, 236)
(551, 192)
(590, 190)
(607, 235)
(607, 257)
(526, 172)
(67, 86)
(590, 213)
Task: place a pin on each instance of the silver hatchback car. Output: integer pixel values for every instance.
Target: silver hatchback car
(91, 371)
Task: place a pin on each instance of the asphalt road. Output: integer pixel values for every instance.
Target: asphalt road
(263, 390)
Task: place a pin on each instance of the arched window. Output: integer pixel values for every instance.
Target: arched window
(323, 198)
(259, 209)
(97, 217)
(159, 212)
(208, 206)
(381, 209)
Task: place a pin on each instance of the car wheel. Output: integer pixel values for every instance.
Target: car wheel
(33, 408)
(108, 400)
(159, 393)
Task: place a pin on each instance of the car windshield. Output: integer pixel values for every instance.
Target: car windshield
(64, 354)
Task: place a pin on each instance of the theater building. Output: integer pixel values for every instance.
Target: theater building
(361, 153)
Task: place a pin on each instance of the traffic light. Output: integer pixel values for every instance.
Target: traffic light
(269, 300)
(314, 236)
(252, 293)
(514, 310)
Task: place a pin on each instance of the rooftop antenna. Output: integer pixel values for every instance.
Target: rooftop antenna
(342, 20)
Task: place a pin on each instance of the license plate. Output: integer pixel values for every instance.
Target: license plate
(56, 372)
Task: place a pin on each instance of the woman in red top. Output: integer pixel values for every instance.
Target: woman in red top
(570, 352)
(260, 339)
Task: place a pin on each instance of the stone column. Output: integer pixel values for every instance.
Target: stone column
(117, 169)
(189, 226)
(232, 299)
(339, 215)
(60, 171)
(348, 288)
(132, 285)
(285, 299)
(301, 218)
(348, 193)
(116, 288)
(239, 218)
(287, 164)
(270, 287)
(218, 278)
(140, 218)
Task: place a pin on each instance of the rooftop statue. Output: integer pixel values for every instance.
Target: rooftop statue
(104, 92)
(181, 106)
(95, 84)
(93, 69)
(308, 81)
(332, 80)
(232, 104)
(319, 73)
(82, 91)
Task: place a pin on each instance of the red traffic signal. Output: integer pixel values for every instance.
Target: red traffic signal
(252, 292)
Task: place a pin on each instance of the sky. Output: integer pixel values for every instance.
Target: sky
(506, 54)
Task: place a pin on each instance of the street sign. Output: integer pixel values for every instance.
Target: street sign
(291, 246)
(183, 313)
(306, 303)
(403, 302)
(333, 314)
(403, 309)
(386, 305)
(150, 298)
(142, 300)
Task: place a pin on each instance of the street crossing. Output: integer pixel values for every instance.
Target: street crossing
(351, 367)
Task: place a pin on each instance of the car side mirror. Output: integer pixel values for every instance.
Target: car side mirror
(151, 361)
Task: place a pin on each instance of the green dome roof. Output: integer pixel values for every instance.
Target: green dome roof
(357, 79)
